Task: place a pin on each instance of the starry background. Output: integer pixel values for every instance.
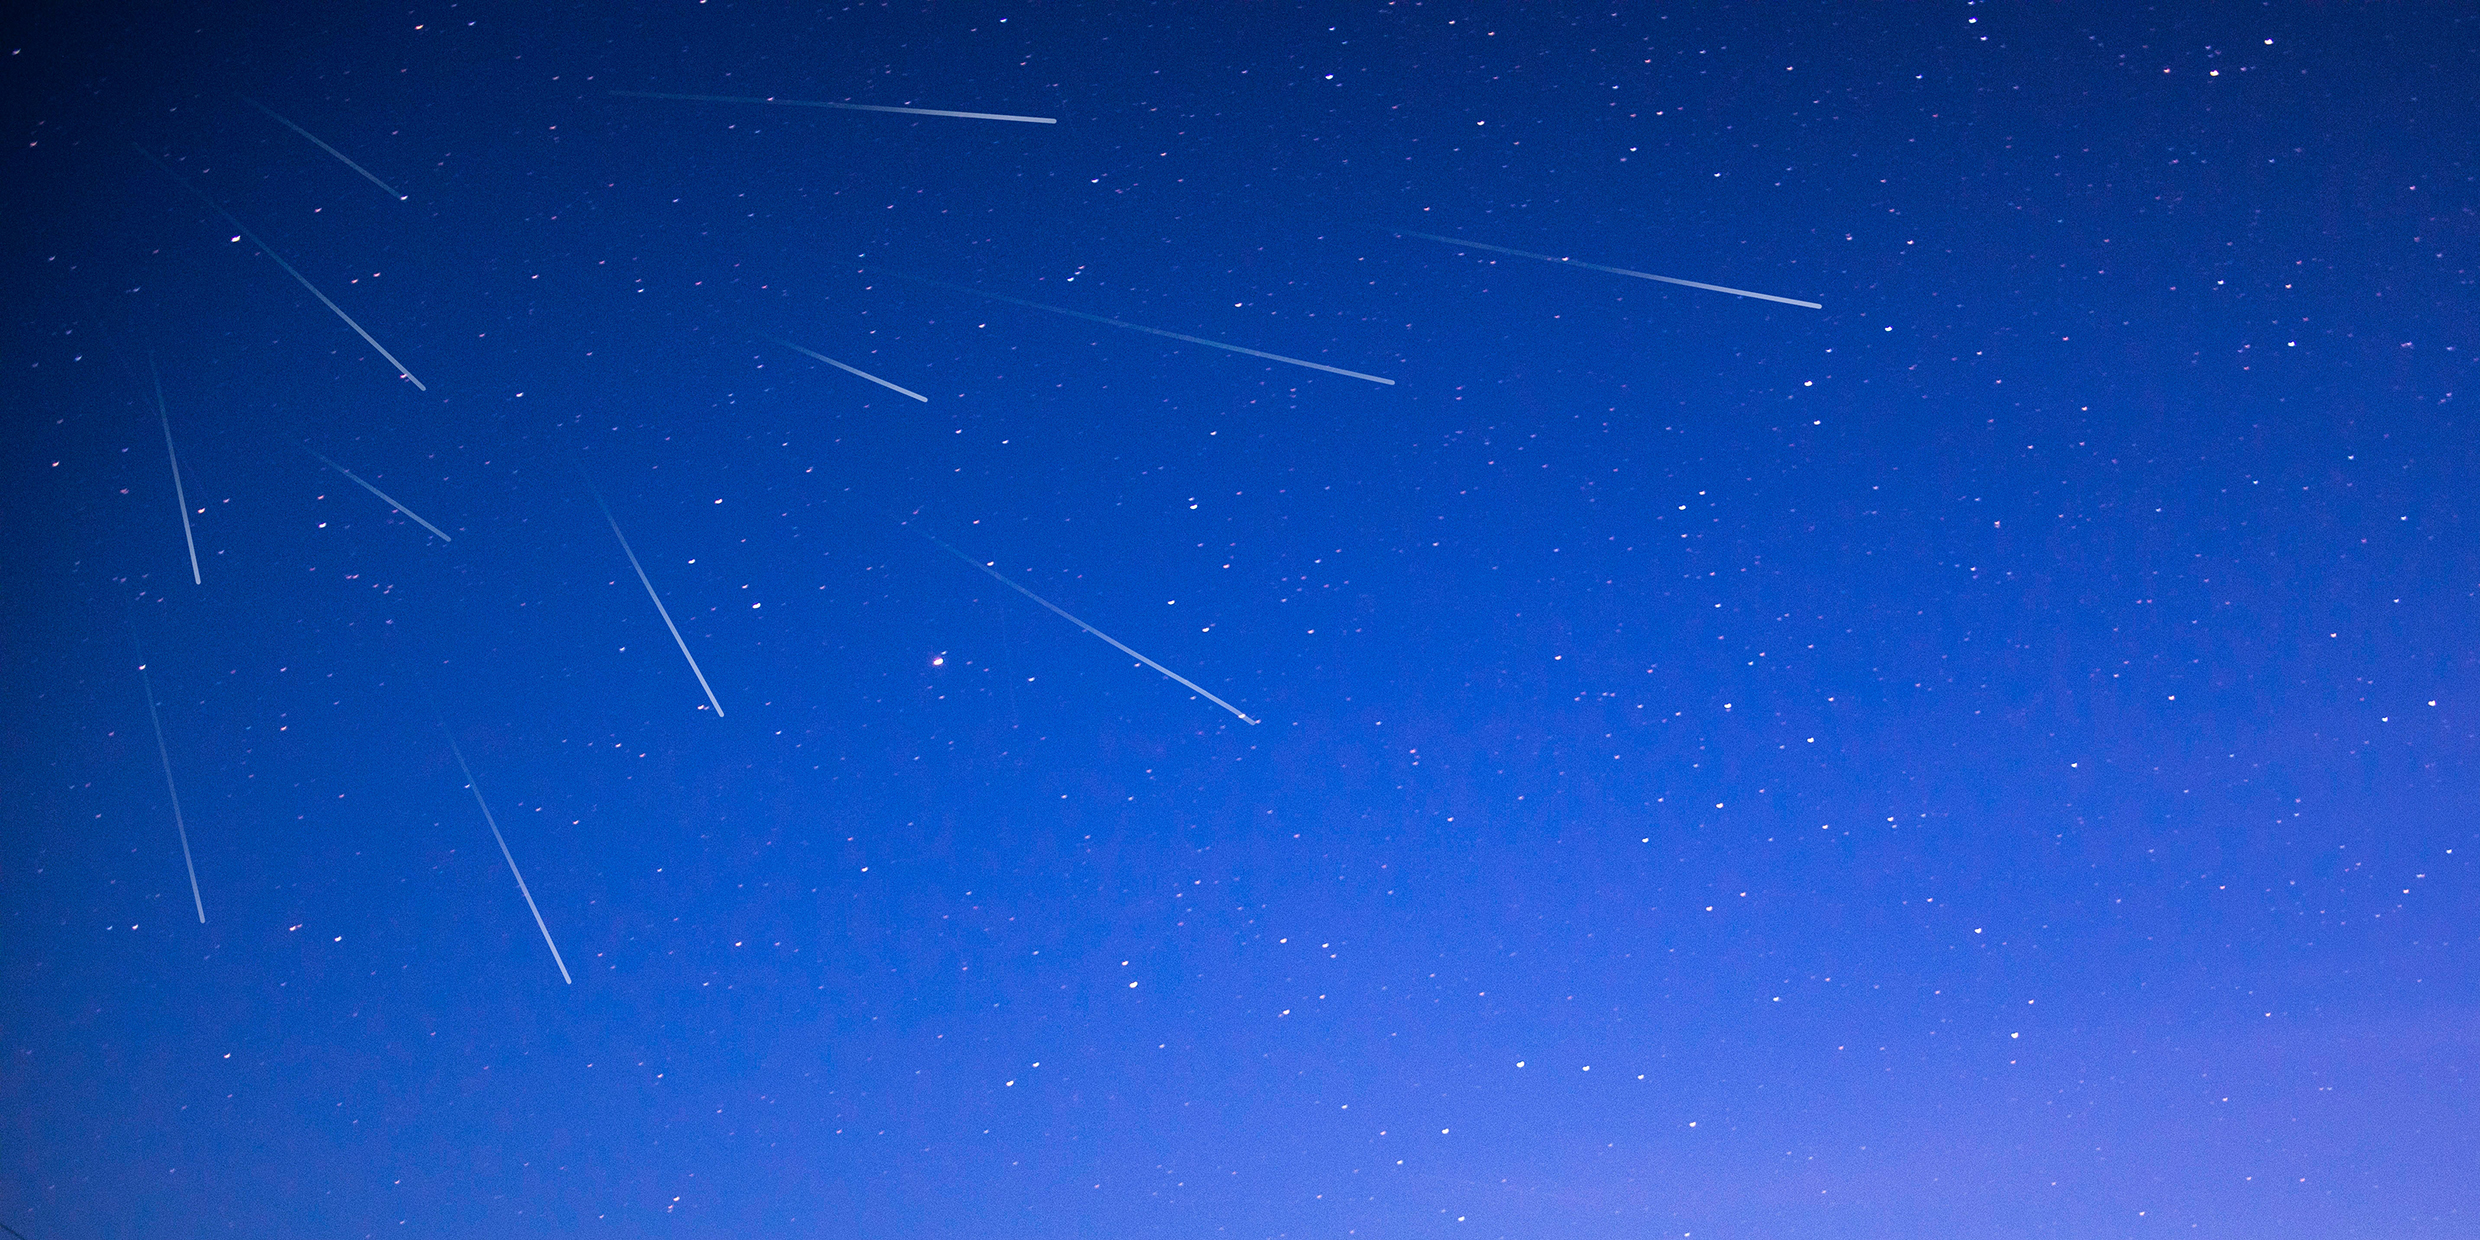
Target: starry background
(1990, 757)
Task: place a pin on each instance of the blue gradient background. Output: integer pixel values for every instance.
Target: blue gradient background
(1992, 757)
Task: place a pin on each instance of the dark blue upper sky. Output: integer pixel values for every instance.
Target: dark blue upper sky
(1991, 756)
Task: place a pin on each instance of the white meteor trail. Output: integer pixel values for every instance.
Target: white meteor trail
(1123, 649)
(263, 248)
(177, 824)
(1134, 327)
(522, 890)
(384, 497)
(850, 369)
(314, 140)
(179, 495)
(1616, 271)
(851, 107)
(659, 609)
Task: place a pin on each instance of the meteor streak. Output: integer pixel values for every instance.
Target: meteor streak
(386, 498)
(854, 107)
(179, 495)
(850, 369)
(263, 248)
(152, 716)
(1123, 649)
(1616, 271)
(659, 609)
(522, 890)
(314, 139)
(1213, 344)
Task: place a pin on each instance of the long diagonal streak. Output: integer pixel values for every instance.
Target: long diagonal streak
(384, 497)
(1616, 271)
(180, 495)
(509, 857)
(165, 753)
(849, 107)
(659, 608)
(1136, 327)
(315, 141)
(850, 369)
(1122, 647)
(269, 251)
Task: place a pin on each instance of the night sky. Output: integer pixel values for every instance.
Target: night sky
(1991, 756)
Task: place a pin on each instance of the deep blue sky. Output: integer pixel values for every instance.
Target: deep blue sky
(1990, 757)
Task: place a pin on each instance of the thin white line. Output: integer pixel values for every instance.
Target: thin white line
(391, 500)
(1138, 327)
(476, 789)
(177, 824)
(659, 609)
(265, 249)
(1054, 607)
(314, 138)
(854, 107)
(1618, 271)
(179, 495)
(850, 369)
